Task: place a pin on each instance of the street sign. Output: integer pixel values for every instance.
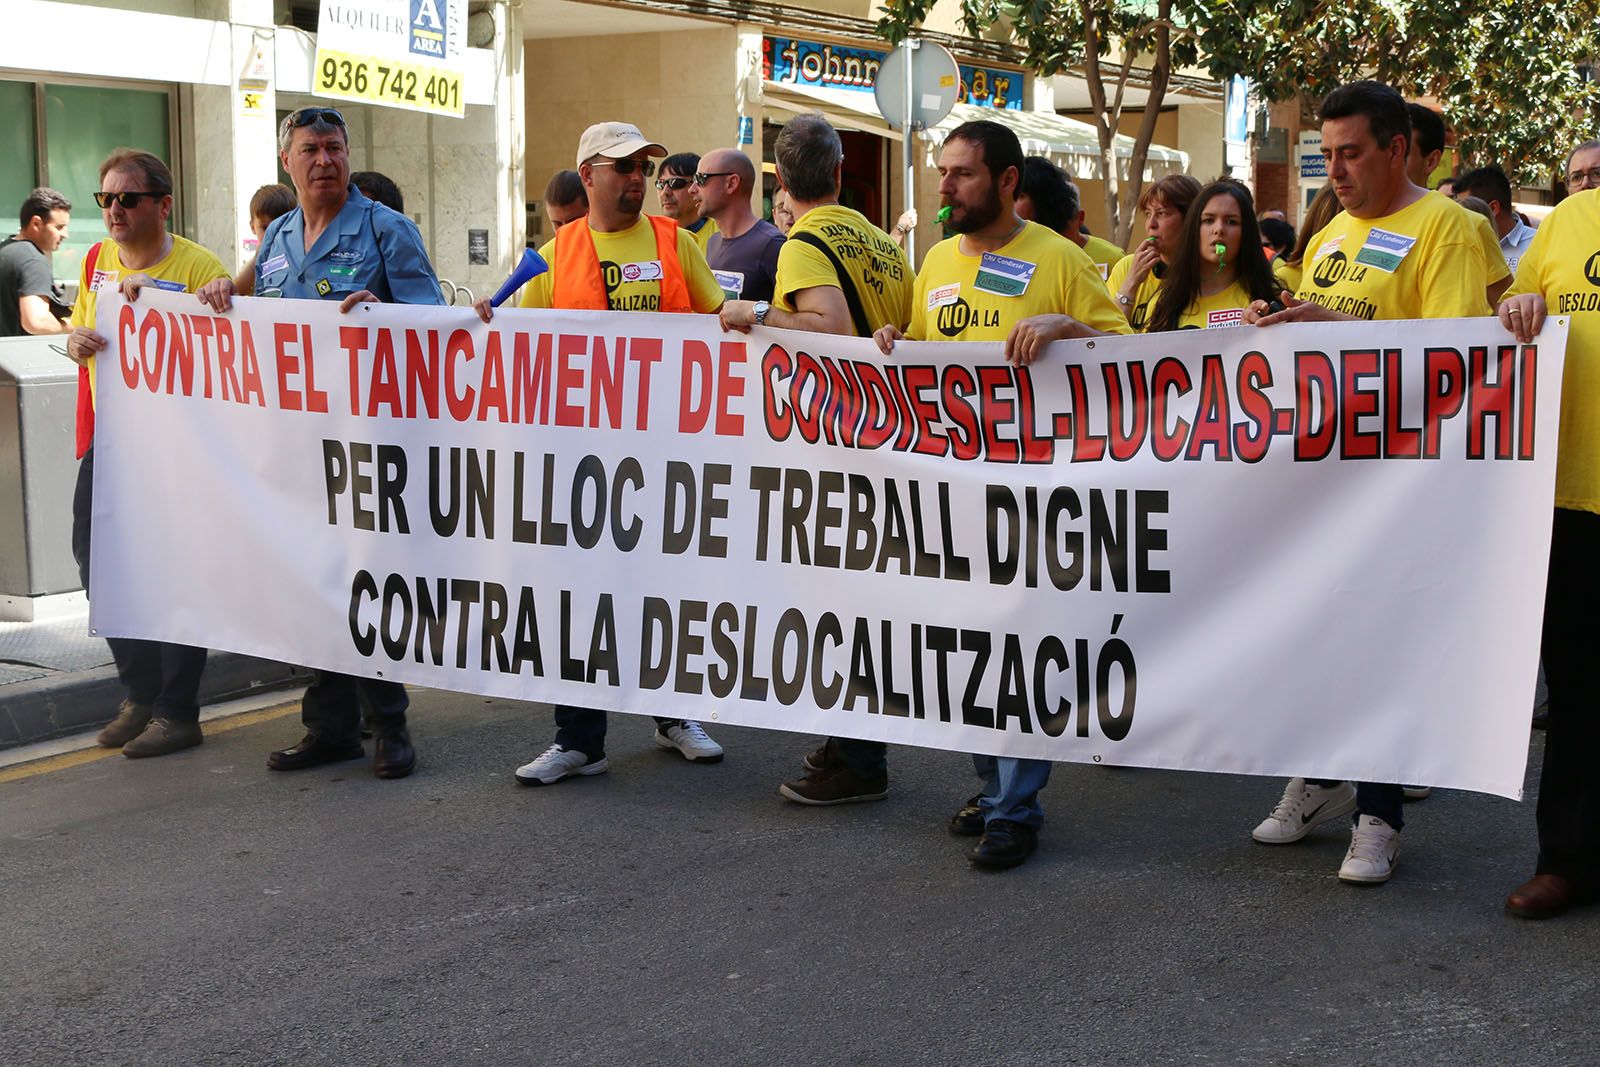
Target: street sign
(1312, 165)
(917, 86)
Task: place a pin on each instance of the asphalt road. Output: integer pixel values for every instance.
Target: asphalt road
(198, 909)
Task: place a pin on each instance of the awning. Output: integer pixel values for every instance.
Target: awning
(1072, 144)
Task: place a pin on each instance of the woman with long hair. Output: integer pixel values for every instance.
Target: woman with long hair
(1136, 279)
(1219, 267)
(1323, 208)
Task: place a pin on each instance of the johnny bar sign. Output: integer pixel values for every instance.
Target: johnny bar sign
(1306, 550)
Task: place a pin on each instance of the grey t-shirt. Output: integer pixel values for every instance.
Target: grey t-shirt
(746, 266)
(24, 271)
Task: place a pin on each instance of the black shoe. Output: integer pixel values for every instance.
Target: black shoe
(312, 751)
(968, 822)
(1004, 844)
(824, 757)
(393, 756)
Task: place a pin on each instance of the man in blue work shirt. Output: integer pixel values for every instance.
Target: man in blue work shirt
(338, 245)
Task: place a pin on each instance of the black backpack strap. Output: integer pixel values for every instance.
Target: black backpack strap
(858, 313)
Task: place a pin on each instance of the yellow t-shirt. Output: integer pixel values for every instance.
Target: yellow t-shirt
(979, 298)
(1217, 310)
(1422, 262)
(186, 268)
(878, 268)
(1494, 257)
(1102, 253)
(1144, 301)
(1563, 266)
(1288, 274)
(635, 248)
(703, 235)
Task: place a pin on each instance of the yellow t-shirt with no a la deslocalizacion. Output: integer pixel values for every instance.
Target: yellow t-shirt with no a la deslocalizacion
(1563, 266)
(961, 297)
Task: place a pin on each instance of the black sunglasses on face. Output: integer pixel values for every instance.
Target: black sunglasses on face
(127, 200)
(675, 184)
(308, 115)
(628, 166)
(702, 177)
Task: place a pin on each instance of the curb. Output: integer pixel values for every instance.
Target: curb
(43, 709)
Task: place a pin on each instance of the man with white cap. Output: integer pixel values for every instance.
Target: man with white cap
(619, 260)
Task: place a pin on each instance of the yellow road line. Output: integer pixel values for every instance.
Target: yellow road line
(51, 764)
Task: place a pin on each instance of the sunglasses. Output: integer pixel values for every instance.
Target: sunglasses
(628, 166)
(127, 200)
(702, 177)
(675, 184)
(306, 116)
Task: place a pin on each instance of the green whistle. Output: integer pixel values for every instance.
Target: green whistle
(1222, 255)
(944, 213)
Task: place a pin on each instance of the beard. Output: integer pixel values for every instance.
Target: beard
(972, 219)
(630, 203)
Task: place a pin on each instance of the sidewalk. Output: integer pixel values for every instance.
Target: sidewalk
(57, 680)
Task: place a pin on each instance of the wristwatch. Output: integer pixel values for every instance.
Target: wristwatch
(1125, 300)
(761, 309)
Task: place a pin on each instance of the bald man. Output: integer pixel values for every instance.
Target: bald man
(743, 253)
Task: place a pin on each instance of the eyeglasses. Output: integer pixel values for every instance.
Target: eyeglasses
(1588, 178)
(308, 116)
(127, 200)
(627, 166)
(702, 177)
(675, 184)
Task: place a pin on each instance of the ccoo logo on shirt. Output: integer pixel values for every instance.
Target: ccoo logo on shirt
(427, 27)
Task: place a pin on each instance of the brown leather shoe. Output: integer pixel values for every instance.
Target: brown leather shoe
(163, 737)
(1545, 896)
(130, 723)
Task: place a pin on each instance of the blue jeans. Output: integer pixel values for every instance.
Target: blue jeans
(1372, 798)
(1011, 788)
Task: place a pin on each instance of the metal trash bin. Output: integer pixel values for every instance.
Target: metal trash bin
(38, 472)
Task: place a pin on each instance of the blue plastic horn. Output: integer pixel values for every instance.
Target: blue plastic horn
(531, 267)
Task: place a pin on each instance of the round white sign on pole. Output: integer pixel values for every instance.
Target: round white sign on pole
(934, 84)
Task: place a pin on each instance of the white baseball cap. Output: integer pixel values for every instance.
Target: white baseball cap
(614, 140)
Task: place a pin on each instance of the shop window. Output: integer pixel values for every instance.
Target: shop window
(80, 126)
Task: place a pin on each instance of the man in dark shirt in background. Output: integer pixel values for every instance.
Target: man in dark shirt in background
(27, 300)
(743, 253)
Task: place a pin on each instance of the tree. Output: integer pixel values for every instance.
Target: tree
(1506, 72)
(1153, 39)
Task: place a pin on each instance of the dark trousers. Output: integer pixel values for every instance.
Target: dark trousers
(584, 729)
(1569, 791)
(334, 704)
(1385, 801)
(161, 675)
(865, 759)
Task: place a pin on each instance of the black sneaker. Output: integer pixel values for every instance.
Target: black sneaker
(835, 785)
(1004, 844)
(968, 822)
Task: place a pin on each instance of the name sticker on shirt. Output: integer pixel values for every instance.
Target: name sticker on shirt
(1328, 248)
(1226, 317)
(273, 265)
(944, 296)
(1003, 276)
(730, 281)
(1385, 250)
(649, 271)
(171, 287)
(342, 272)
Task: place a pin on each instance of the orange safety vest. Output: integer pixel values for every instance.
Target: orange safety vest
(579, 285)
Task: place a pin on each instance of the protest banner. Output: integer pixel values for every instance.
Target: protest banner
(1311, 549)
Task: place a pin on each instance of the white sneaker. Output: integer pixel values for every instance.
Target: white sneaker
(556, 763)
(1303, 808)
(689, 738)
(1374, 849)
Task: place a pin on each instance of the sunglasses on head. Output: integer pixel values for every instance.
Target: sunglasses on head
(628, 166)
(127, 200)
(675, 184)
(306, 116)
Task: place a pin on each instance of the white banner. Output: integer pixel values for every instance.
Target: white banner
(1311, 550)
